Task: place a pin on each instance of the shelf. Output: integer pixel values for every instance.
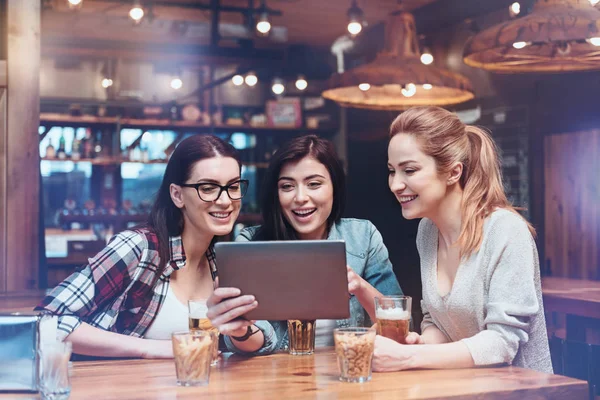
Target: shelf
(117, 161)
(86, 120)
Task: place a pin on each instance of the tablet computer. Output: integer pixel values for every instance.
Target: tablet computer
(294, 279)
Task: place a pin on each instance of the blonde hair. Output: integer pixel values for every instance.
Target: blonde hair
(444, 137)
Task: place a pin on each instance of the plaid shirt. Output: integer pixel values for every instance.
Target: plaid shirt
(115, 290)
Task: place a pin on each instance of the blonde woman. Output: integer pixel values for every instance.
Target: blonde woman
(482, 301)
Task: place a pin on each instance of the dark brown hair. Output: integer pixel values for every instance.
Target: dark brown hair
(165, 218)
(275, 226)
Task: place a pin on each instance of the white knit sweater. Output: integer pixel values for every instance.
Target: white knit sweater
(495, 304)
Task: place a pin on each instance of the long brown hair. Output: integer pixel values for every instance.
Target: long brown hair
(444, 137)
(165, 218)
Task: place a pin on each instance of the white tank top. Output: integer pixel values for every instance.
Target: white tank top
(324, 332)
(172, 317)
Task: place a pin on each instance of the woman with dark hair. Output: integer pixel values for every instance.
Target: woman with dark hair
(132, 295)
(303, 199)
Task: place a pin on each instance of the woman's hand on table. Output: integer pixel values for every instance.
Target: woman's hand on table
(225, 308)
(390, 355)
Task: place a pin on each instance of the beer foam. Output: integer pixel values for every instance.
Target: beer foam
(393, 314)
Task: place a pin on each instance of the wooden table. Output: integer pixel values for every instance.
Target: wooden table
(281, 376)
(579, 300)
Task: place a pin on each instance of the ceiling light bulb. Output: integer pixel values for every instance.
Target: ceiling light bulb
(595, 40)
(594, 2)
(107, 82)
(409, 90)
(301, 83)
(176, 83)
(515, 9)
(278, 87)
(426, 57)
(354, 28)
(136, 14)
(251, 79)
(75, 3)
(364, 87)
(519, 45)
(427, 86)
(263, 26)
(237, 80)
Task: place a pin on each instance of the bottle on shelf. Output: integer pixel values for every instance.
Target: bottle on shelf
(61, 153)
(76, 149)
(98, 145)
(88, 144)
(50, 151)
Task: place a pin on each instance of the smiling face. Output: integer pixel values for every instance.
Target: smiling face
(414, 179)
(305, 193)
(214, 217)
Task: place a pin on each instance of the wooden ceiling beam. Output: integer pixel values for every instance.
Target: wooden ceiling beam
(187, 53)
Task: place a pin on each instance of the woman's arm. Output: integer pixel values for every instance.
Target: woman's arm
(225, 308)
(378, 277)
(88, 340)
(392, 356)
(98, 283)
(364, 292)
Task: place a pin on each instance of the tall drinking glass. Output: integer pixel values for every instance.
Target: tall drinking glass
(54, 370)
(301, 334)
(193, 354)
(393, 317)
(198, 321)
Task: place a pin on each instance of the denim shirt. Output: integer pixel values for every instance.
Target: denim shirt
(366, 254)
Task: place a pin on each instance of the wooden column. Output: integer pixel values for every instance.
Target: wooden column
(19, 144)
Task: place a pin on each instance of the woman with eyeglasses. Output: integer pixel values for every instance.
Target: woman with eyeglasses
(303, 199)
(132, 295)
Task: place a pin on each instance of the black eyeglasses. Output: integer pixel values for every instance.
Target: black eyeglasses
(211, 191)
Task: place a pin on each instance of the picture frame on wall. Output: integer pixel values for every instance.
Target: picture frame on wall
(284, 113)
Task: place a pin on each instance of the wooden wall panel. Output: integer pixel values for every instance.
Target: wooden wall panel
(22, 144)
(572, 199)
(2, 189)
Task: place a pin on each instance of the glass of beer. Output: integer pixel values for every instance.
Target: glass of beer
(200, 322)
(393, 317)
(354, 349)
(193, 355)
(301, 334)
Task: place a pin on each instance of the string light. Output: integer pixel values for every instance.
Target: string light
(251, 79)
(106, 83)
(176, 83)
(74, 4)
(278, 86)
(237, 80)
(301, 83)
(355, 19)
(137, 12)
(426, 57)
(409, 90)
(364, 87)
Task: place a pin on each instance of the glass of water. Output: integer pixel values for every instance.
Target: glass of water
(54, 370)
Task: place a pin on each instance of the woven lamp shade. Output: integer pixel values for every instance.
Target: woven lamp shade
(555, 35)
(398, 66)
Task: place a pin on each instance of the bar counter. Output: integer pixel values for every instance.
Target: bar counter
(281, 376)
